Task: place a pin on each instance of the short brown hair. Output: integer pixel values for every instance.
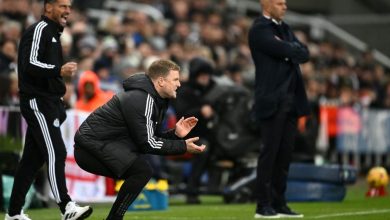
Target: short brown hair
(48, 1)
(161, 68)
(51, 2)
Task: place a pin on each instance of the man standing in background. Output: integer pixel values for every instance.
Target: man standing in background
(41, 88)
(280, 99)
(192, 101)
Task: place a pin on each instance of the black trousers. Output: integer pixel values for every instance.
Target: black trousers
(278, 135)
(90, 163)
(136, 177)
(43, 144)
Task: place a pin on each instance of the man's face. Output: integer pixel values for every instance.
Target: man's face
(9, 50)
(277, 9)
(58, 11)
(89, 90)
(170, 84)
(203, 79)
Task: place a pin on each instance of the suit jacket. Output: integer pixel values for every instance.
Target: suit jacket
(277, 53)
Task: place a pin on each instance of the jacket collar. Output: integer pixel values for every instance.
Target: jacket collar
(141, 81)
(53, 24)
(273, 20)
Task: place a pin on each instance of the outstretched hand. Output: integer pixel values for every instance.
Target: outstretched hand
(192, 147)
(185, 125)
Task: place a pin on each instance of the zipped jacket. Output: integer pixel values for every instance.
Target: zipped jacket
(128, 125)
(40, 60)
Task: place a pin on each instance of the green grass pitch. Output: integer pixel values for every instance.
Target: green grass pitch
(355, 207)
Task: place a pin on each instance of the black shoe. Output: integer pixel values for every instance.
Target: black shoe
(286, 212)
(266, 212)
(193, 200)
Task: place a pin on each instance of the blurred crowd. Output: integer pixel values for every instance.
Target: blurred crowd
(118, 43)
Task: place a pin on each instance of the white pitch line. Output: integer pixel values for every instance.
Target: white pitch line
(353, 213)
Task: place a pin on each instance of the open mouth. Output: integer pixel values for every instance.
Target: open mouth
(63, 19)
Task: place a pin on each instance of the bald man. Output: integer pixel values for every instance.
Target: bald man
(280, 99)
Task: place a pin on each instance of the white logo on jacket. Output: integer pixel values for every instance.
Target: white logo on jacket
(56, 123)
(53, 40)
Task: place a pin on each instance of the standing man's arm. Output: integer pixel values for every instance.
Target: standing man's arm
(35, 49)
(304, 49)
(262, 38)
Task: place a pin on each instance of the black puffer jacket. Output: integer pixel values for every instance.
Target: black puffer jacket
(128, 125)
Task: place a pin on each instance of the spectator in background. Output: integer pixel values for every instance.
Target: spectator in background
(13, 91)
(8, 54)
(386, 99)
(12, 30)
(103, 66)
(108, 82)
(66, 42)
(15, 10)
(231, 76)
(191, 100)
(86, 47)
(280, 99)
(90, 95)
(4, 89)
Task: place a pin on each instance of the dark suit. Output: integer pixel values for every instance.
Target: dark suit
(280, 98)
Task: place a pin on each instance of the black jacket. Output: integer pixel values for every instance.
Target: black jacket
(40, 60)
(128, 125)
(277, 67)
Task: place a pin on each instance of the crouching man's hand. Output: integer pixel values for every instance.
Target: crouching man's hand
(185, 125)
(192, 147)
